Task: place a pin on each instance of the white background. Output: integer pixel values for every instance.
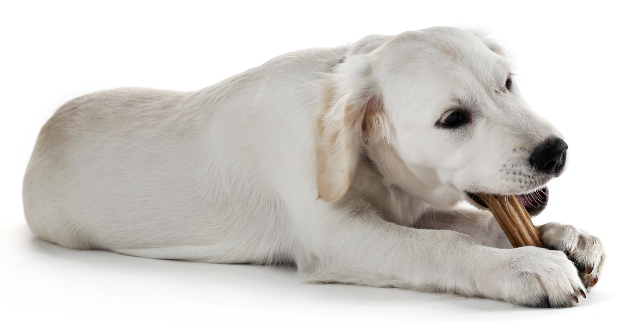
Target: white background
(567, 57)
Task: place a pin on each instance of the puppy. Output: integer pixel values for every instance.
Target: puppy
(348, 162)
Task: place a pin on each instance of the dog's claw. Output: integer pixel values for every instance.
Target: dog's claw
(589, 269)
(575, 299)
(594, 281)
(583, 294)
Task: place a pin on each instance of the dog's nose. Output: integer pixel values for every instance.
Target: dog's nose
(550, 156)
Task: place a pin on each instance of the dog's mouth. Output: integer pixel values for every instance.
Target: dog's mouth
(534, 202)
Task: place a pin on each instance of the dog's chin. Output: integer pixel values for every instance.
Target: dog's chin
(534, 202)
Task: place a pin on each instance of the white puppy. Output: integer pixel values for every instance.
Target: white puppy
(348, 162)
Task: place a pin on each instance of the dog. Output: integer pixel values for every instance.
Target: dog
(347, 162)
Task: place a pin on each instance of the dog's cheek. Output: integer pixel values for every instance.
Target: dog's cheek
(473, 177)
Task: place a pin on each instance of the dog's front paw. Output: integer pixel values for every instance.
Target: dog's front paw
(537, 277)
(586, 251)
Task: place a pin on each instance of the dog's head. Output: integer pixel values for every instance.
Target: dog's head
(438, 113)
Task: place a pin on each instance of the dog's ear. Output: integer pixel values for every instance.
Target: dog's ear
(352, 114)
(489, 42)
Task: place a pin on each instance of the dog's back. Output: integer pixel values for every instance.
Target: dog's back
(178, 175)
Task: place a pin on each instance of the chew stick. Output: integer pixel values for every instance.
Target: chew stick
(518, 221)
(513, 219)
(526, 220)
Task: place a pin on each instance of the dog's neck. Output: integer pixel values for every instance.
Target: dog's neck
(369, 185)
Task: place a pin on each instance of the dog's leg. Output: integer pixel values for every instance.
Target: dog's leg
(359, 247)
(583, 249)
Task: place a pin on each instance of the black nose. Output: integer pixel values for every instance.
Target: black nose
(550, 156)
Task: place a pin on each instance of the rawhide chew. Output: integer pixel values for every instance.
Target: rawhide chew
(513, 218)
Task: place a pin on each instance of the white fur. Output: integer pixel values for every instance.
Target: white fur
(327, 158)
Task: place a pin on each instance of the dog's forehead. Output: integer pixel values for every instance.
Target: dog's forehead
(451, 64)
(449, 49)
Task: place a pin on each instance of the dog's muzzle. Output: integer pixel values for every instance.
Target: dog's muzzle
(549, 158)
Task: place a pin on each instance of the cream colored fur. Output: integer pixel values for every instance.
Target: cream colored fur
(326, 158)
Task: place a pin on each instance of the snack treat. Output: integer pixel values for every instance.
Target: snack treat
(513, 218)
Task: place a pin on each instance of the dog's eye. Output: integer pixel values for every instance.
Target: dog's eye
(508, 84)
(454, 119)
